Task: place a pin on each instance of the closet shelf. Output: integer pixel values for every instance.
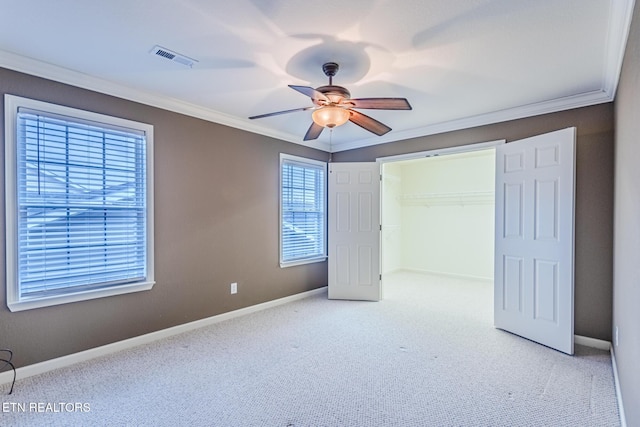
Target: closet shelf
(443, 199)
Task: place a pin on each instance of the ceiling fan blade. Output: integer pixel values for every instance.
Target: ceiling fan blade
(310, 92)
(368, 123)
(281, 112)
(381, 103)
(313, 132)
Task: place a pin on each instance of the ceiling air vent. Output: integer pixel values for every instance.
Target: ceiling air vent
(172, 56)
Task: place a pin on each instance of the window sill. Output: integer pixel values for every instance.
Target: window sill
(28, 304)
(302, 262)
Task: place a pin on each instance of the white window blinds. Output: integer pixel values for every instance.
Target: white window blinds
(303, 216)
(81, 204)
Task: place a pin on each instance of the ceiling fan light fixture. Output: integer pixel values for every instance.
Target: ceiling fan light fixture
(333, 106)
(330, 116)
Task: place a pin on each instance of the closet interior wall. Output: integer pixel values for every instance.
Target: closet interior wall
(438, 215)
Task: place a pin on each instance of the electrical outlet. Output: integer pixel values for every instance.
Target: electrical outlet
(234, 288)
(616, 338)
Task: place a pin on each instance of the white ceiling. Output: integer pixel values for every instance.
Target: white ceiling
(460, 63)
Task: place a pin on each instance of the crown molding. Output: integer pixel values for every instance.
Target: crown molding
(620, 16)
(552, 106)
(59, 74)
(621, 12)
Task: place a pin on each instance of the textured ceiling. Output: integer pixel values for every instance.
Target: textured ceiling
(460, 63)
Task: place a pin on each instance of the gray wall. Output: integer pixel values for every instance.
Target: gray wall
(216, 222)
(626, 273)
(594, 196)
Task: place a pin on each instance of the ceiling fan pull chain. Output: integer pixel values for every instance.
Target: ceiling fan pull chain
(330, 144)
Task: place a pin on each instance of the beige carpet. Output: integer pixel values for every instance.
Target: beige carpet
(427, 355)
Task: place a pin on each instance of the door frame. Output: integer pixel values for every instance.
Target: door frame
(468, 148)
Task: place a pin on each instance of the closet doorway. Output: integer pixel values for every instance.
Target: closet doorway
(438, 213)
(534, 217)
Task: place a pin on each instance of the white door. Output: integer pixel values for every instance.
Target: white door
(534, 248)
(354, 231)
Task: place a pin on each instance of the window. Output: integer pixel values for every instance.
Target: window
(302, 210)
(78, 204)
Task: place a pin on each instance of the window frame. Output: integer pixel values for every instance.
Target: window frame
(14, 301)
(288, 158)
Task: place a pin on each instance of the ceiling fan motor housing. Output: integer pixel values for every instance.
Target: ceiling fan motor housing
(336, 94)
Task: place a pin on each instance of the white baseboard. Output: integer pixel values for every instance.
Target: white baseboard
(592, 342)
(606, 345)
(623, 418)
(61, 362)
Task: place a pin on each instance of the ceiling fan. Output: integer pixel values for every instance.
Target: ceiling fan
(333, 106)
